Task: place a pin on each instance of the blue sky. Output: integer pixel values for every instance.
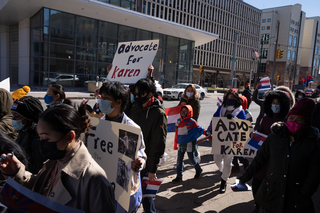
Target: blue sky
(310, 7)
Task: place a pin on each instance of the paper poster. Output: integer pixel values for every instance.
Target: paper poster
(256, 140)
(5, 84)
(131, 61)
(114, 146)
(21, 199)
(229, 137)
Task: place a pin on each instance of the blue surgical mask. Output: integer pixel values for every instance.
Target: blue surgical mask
(300, 96)
(105, 106)
(17, 124)
(275, 108)
(98, 101)
(48, 99)
(132, 98)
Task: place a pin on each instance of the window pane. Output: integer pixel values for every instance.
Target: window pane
(61, 51)
(61, 66)
(87, 25)
(35, 21)
(61, 36)
(107, 49)
(143, 35)
(102, 69)
(85, 68)
(87, 54)
(39, 49)
(61, 20)
(86, 40)
(38, 78)
(39, 34)
(39, 64)
(108, 29)
(127, 33)
(46, 16)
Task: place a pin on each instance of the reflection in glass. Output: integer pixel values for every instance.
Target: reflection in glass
(86, 54)
(62, 20)
(87, 25)
(61, 66)
(108, 29)
(86, 40)
(143, 35)
(127, 33)
(61, 51)
(61, 36)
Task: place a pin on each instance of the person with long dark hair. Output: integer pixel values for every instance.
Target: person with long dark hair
(55, 95)
(71, 176)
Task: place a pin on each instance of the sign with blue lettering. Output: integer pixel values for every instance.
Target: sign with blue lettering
(229, 137)
(131, 61)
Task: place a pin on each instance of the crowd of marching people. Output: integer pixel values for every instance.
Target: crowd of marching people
(42, 149)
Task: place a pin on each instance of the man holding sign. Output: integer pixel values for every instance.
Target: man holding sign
(114, 98)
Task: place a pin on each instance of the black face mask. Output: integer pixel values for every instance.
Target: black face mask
(141, 100)
(50, 151)
(231, 102)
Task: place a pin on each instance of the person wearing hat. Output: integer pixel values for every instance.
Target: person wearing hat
(316, 92)
(293, 153)
(26, 112)
(5, 114)
(19, 93)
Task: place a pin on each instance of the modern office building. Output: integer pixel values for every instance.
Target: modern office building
(73, 41)
(310, 57)
(291, 35)
(222, 17)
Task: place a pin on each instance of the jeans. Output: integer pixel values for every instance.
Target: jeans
(242, 160)
(193, 161)
(147, 202)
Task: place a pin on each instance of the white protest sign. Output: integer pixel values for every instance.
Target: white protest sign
(131, 61)
(5, 84)
(113, 146)
(229, 137)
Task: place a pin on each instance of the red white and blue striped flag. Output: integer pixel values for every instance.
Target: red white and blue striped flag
(219, 102)
(256, 140)
(150, 188)
(264, 84)
(173, 114)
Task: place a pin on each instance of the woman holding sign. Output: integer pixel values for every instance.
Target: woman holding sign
(70, 177)
(230, 108)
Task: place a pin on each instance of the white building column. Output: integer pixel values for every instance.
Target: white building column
(4, 52)
(24, 51)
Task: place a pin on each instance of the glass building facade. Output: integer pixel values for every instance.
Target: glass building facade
(71, 50)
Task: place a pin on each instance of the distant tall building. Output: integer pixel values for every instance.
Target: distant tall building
(291, 35)
(310, 57)
(71, 42)
(221, 17)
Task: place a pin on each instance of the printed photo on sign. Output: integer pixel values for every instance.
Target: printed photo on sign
(229, 137)
(123, 174)
(127, 143)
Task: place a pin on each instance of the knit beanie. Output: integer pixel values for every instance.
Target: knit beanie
(19, 93)
(304, 108)
(29, 107)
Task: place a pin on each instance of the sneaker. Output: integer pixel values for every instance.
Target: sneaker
(235, 169)
(245, 166)
(198, 173)
(223, 186)
(177, 180)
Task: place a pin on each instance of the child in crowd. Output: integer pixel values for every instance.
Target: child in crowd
(187, 131)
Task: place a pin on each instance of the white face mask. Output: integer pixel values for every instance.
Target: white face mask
(189, 94)
(230, 108)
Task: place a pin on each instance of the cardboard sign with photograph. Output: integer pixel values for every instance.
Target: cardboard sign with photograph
(229, 137)
(131, 61)
(114, 146)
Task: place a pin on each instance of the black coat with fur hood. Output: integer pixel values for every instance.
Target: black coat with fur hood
(293, 174)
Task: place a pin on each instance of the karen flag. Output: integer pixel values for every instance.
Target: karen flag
(173, 114)
(219, 101)
(150, 188)
(264, 84)
(256, 140)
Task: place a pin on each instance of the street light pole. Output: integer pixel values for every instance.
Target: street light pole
(234, 58)
(275, 53)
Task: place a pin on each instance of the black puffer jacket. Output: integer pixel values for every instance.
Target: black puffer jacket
(293, 174)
